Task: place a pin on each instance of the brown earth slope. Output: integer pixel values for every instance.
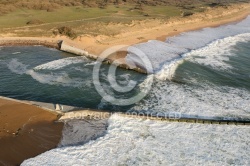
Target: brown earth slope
(26, 131)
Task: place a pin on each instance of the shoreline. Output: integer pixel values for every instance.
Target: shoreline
(92, 47)
(73, 113)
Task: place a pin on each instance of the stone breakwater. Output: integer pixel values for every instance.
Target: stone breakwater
(29, 42)
(169, 117)
(120, 62)
(76, 113)
(69, 48)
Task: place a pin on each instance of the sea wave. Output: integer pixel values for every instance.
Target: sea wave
(61, 63)
(165, 55)
(215, 54)
(169, 97)
(62, 79)
(17, 67)
(145, 142)
(58, 78)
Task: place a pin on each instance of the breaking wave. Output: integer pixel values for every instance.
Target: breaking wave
(215, 54)
(58, 78)
(166, 55)
(61, 63)
(139, 142)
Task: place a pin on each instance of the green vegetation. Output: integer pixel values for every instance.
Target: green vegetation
(7, 6)
(126, 12)
(67, 31)
(187, 13)
(34, 22)
(36, 18)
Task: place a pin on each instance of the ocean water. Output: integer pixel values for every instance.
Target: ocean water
(48, 75)
(200, 73)
(137, 142)
(210, 81)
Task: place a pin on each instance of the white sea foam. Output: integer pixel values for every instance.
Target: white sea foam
(17, 67)
(62, 79)
(158, 52)
(91, 63)
(81, 131)
(59, 78)
(168, 70)
(61, 63)
(138, 142)
(52, 49)
(204, 101)
(14, 53)
(164, 54)
(217, 53)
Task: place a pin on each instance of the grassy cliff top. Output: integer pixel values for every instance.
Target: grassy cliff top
(7, 6)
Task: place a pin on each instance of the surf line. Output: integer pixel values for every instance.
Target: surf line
(169, 117)
(69, 113)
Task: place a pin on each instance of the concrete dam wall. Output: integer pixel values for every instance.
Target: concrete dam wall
(66, 47)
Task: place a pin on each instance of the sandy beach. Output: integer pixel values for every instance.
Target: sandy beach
(139, 31)
(26, 131)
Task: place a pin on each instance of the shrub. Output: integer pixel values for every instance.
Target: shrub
(67, 31)
(187, 13)
(188, 7)
(34, 22)
(200, 10)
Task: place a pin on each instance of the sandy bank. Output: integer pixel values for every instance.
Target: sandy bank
(26, 131)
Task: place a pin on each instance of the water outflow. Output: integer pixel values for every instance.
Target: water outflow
(48, 75)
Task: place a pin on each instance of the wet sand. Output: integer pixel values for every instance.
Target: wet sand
(26, 131)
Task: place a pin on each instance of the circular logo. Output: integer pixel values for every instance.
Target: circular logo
(137, 60)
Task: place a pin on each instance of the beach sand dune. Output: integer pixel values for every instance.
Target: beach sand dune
(26, 131)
